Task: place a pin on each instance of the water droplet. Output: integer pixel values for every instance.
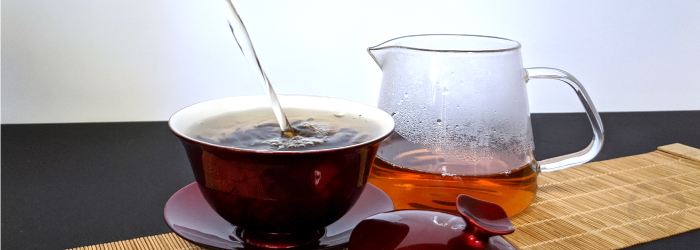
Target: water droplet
(405, 94)
(339, 114)
(439, 120)
(457, 106)
(394, 113)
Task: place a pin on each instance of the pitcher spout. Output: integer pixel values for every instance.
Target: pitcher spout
(377, 55)
(381, 51)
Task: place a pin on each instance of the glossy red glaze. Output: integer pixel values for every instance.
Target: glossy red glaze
(426, 230)
(281, 200)
(484, 219)
(189, 216)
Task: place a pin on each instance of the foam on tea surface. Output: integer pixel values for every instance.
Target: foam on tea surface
(257, 129)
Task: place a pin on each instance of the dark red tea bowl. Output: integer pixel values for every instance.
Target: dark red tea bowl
(281, 199)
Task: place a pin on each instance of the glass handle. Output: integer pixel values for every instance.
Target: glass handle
(588, 153)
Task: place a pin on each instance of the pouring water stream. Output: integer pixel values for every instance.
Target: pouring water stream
(246, 45)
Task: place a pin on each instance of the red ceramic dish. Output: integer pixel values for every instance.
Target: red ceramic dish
(189, 215)
(479, 228)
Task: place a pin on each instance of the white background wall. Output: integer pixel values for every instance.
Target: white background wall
(142, 60)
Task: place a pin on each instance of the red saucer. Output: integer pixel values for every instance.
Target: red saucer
(189, 215)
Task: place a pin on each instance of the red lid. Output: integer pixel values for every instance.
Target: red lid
(479, 228)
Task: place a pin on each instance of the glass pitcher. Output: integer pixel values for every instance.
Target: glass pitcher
(463, 122)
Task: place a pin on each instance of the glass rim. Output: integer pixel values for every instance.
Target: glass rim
(508, 48)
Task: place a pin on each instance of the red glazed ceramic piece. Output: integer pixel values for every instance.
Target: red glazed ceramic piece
(479, 228)
(189, 215)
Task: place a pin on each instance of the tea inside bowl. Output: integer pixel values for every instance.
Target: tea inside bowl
(248, 123)
(257, 129)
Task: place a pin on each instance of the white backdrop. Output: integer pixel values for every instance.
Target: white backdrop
(142, 60)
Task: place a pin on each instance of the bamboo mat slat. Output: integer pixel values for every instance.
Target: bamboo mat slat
(601, 205)
(169, 241)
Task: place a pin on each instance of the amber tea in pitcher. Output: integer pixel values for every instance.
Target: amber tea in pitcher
(412, 186)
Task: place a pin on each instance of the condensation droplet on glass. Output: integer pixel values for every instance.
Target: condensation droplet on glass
(339, 114)
(394, 113)
(405, 94)
(439, 120)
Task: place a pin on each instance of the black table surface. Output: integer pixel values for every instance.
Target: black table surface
(72, 185)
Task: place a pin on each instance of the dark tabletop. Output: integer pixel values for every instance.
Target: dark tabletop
(72, 185)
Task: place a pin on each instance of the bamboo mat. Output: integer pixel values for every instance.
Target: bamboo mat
(601, 205)
(615, 203)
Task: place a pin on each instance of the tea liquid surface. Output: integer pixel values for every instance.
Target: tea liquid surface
(410, 176)
(257, 129)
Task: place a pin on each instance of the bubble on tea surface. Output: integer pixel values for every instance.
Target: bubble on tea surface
(308, 134)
